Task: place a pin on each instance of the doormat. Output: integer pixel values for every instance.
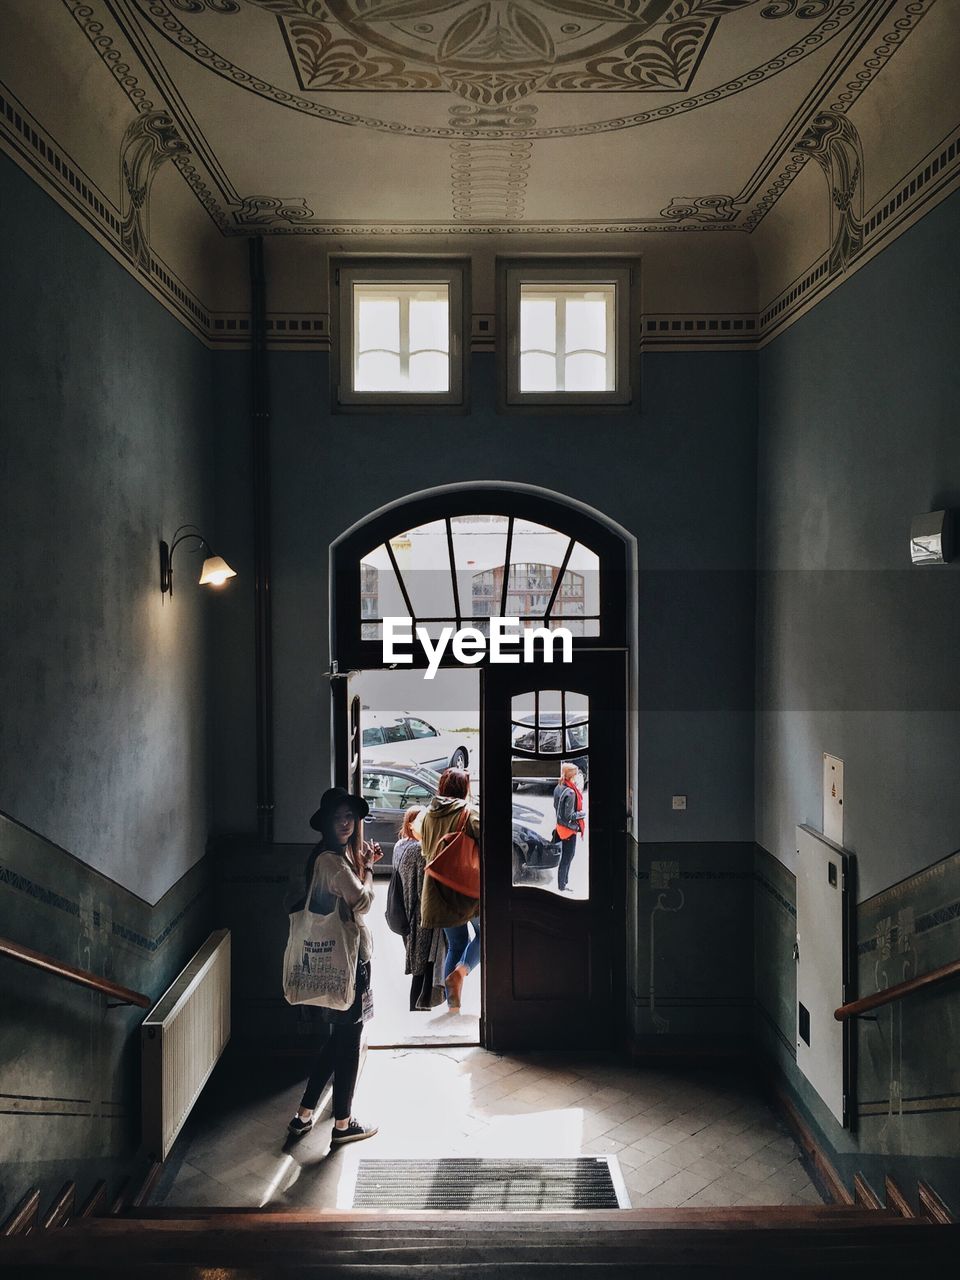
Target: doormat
(482, 1185)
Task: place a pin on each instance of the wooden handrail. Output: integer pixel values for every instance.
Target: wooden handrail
(902, 989)
(36, 959)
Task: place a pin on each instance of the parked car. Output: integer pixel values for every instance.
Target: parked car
(406, 737)
(390, 787)
(546, 772)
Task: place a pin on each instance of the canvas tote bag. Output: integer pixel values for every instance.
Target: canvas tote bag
(320, 960)
(457, 861)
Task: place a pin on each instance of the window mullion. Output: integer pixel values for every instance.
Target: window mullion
(613, 354)
(561, 332)
(405, 337)
(355, 354)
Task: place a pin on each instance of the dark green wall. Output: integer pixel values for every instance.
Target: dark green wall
(69, 1065)
(678, 473)
(857, 650)
(106, 441)
(106, 437)
(857, 655)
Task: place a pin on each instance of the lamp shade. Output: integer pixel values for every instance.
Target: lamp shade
(215, 572)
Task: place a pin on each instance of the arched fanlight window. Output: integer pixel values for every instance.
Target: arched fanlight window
(534, 560)
(465, 569)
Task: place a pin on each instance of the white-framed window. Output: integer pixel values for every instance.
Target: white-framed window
(400, 334)
(568, 334)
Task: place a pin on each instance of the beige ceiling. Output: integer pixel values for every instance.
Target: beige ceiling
(329, 116)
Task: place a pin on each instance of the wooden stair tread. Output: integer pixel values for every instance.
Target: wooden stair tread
(870, 1248)
(380, 1221)
(794, 1241)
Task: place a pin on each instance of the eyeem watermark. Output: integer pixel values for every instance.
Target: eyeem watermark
(506, 643)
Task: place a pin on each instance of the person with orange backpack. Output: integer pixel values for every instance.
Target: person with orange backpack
(450, 837)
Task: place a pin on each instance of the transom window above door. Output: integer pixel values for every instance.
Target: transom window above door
(400, 334)
(465, 569)
(568, 334)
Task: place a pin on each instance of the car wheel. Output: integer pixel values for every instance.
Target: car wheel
(459, 759)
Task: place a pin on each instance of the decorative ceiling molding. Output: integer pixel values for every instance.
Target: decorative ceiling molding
(494, 49)
(834, 143)
(44, 159)
(257, 212)
(488, 180)
(490, 183)
(711, 209)
(936, 176)
(493, 54)
(896, 21)
(149, 141)
(38, 153)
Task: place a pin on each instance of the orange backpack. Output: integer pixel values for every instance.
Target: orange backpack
(457, 861)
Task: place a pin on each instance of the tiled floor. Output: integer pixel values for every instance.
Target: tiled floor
(681, 1136)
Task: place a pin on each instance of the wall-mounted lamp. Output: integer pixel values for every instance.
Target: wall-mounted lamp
(215, 569)
(931, 538)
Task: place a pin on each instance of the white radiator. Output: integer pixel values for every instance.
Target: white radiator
(181, 1039)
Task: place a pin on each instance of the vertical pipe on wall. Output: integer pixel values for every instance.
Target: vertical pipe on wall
(260, 424)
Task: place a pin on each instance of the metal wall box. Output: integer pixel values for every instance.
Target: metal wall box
(931, 538)
(822, 954)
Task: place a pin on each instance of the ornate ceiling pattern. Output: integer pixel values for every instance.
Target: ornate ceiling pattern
(324, 117)
(496, 51)
(284, 117)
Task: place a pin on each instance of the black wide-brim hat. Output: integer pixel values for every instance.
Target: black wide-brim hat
(334, 797)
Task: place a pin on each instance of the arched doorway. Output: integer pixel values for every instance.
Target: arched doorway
(554, 909)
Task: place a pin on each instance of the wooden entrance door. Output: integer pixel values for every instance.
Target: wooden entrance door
(553, 961)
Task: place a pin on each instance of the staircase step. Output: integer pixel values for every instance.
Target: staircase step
(442, 1222)
(931, 1206)
(25, 1217)
(818, 1241)
(62, 1209)
(96, 1201)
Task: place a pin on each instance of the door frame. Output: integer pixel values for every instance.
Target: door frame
(606, 907)
(616, 548)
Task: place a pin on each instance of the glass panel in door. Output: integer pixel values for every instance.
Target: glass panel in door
(550, 765)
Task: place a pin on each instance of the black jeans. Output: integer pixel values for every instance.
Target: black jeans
(340, 1054)
(339, 1057)
(569, 847)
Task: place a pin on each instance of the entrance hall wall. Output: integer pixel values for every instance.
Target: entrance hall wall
(106, 441)
(857, 652)
(678, 472)
(106, 445)
(857, 656)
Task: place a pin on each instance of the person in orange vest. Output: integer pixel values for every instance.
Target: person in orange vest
(568, 806)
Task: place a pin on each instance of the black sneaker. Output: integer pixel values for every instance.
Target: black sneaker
(354, 1132)
(299, 1127)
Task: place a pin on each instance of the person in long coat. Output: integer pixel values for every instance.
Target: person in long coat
(425, 950)
(455, 912)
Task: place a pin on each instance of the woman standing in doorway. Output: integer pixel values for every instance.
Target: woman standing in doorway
(339, 873)
(568, 806)
(455, 912)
